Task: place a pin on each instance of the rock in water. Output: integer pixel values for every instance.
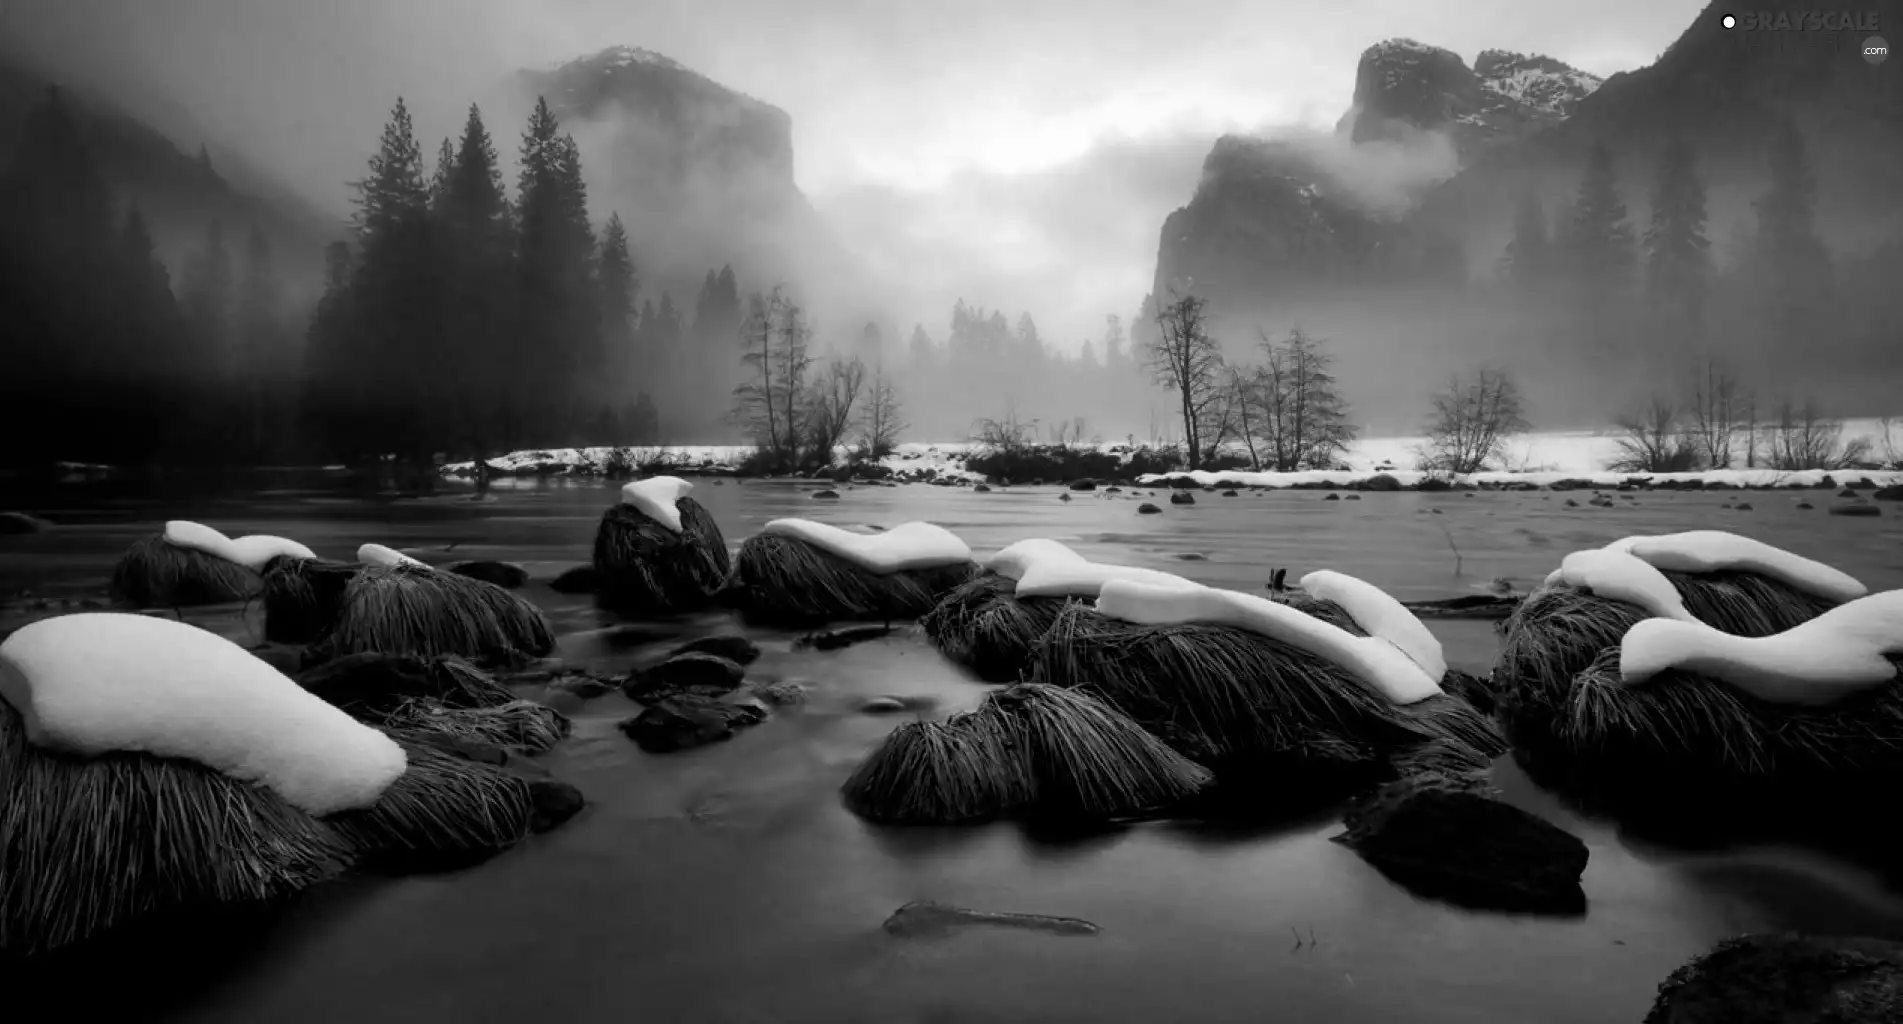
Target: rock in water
(688, 720)
(554, 802)
(1855, 510)
(1784, 979)
(1891, 493)
(1085, 484)
(503, 574)
(833, 639)
(1332, 496)
(691, 673)
(737, 649)
(926, 919)
(583, 579)
(882, 706)
(1182, 498)
(1454, 840)
(1229, 494)
(980, 489)
(1147, 509)
(779, 692)
(828, 493)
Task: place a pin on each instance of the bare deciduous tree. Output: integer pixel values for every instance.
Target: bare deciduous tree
(1006, 433)
(1068, 432)
(1803, 437)
(1186, 360)
(1292, 405)
(1246, 397)
(771, 405)
(832, 403)
(1719, 407)
(1471, 422)
(1652, 440)
(882, 424)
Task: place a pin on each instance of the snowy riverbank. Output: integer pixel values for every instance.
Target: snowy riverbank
(1578, 458)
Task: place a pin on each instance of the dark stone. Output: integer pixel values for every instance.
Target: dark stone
(1743, 506)
(1891, 493)
(1433, 483)
(692, 673)
(1786, 979)
(882, 705)
(1352, 497)
(1805, 505)
(554, 802)
(1847, 493)
(1182, 498)
(981, 489)
(780, 692)
(1380, 482)
(1147, 509)
(687, 720)
(1456, 841)
(582, 579)
(1331, 496)
(1192, 556)
(737, 649)
(502, 574)
(1063, 497)
(828, 493)
(14, 524)
(833, 639)
(926, 919)
(586, 687)
(1855, 510)
(1229, 494)
(1085, 484)
(1113, 490)
(1570, 503)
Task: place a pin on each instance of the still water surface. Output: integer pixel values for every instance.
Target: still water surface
(727, 884)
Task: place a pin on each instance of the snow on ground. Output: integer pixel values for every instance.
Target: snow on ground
(914, 545)
(1379, 615)
(252, 552)
(1382, 667)
(384, 557)
(1535, 458)
(96, 682)
(1819, 662)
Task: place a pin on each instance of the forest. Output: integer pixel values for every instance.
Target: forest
(466, 316)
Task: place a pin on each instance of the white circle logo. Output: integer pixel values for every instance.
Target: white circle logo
(1729, 21)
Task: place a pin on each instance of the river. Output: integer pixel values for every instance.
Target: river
(727, 884)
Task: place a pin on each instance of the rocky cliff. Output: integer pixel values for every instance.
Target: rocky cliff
(703, 175)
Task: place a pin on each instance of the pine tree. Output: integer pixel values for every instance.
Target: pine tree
(615, 273)
(1527, 262)
(1677, 254)
(1599, 241)
(556, 252)
(1791, 268)
(439, 183)
(476, 254)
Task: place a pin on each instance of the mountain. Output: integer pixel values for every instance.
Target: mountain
(1276, 217)
(702, 174)
(178, 192)
(1362, 236)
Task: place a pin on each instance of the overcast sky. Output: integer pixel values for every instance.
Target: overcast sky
(1027, 148)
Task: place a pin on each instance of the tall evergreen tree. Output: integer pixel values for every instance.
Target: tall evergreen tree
(1527, 262)
(1599, 239)
(476, 252)
(1677, 253)
(556, 263)
(210, 301)
(440, 178)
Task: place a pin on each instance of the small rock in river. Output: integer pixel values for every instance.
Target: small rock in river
(925, 919)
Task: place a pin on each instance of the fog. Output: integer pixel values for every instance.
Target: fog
(905, 119)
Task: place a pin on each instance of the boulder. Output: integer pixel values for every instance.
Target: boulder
(981, 489)
(1147, 509)
(779, 692)
(1805, 505)
(502, 574)
(828, 493)
(691, 673)
(1892, 493)
(1783, 979)
(737, 649)
(882, 706)
(1085, 484)
(1331, 496)
(1454, 840)
(685, 721)
(582, 579)
(1352, 497)
(1182, 498)
(1855, 510)
(1229, 494)
(553, 802)
(1381, 482)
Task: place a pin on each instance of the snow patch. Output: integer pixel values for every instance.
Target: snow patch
(252, 551)
(655, 498)
(1622, 576)
(914, 545)
(386, 558)
(1381, 666)
(1045, 568)
(1820, 662)
(1717, 551)
(97, 682)
(1377, 612)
